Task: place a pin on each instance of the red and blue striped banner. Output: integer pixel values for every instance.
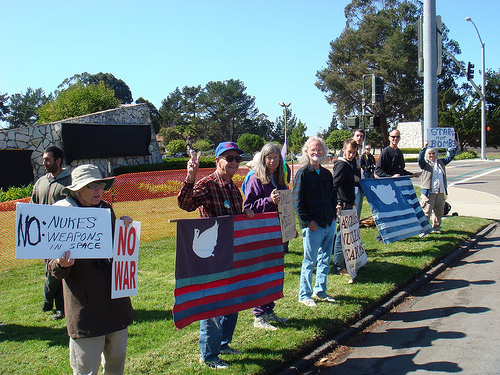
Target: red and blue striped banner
(226, 264)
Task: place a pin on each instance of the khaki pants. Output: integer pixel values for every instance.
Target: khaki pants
(85, 353)
(433, 203)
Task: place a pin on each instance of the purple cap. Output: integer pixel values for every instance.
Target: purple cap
(226, 146)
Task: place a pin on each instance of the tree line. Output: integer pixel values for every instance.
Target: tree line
(380, 38)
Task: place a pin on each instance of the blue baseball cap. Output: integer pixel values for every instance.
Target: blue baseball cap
(226, 146)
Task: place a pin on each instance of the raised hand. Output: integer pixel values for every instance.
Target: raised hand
(193, 165)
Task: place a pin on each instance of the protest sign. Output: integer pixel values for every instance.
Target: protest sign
(46, 232)
(286, 215)
(441, 137)
(125, 259)
(352, 246)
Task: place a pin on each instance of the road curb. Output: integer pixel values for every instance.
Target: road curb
(308, 361)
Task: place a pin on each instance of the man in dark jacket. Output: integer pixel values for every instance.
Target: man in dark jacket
(47, 190)
(314, 201)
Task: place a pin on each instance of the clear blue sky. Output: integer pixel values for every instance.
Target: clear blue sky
(275, 47)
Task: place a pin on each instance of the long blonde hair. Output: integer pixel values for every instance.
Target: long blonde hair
(261, 171)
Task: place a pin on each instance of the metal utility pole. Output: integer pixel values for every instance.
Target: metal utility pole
(430, 65)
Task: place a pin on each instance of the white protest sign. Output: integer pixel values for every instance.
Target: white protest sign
(441, 137)
(352, 246)
(286, 215)
(125, 259)
(46, 232)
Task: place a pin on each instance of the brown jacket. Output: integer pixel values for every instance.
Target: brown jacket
(88, 306)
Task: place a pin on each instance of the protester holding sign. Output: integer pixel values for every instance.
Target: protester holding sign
(434, 183)
(97, 325)
(344, 177)
(358, 135)
(262, 196)
(215, 195)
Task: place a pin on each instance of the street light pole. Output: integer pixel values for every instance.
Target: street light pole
(285, 108)
(483, 91)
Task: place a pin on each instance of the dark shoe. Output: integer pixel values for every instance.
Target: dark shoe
(216, 364)
(228, 350)
(46, 307)
(58, 315)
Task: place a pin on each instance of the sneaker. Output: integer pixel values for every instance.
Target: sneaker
(325, 298)
(58, 315)
(228, 350)
(216, 364)
(422, 234)
(261, 322)
(436, 231)
(275, 318)
(309, 302)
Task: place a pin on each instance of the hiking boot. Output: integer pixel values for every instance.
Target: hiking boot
(272, 317)
(216, 364)
(58, 315)
(261, 322)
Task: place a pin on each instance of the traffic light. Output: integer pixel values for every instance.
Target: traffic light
(488, 128)
(353, 122)
(470, 71)
(377, 89)
(375, 122)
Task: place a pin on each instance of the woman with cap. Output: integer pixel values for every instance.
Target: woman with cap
(262, 196)
(96, 324)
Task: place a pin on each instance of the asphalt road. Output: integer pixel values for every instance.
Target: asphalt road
(449, 326)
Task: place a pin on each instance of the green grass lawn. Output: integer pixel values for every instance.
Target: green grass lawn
(31, 343)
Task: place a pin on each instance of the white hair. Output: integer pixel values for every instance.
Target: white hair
(304, 158)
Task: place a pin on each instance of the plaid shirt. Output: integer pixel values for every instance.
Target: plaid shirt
(212, 195)
(314, 197)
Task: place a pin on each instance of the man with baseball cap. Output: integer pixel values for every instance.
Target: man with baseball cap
(215, 195)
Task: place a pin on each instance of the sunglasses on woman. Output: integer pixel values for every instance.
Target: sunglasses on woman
(230, 158)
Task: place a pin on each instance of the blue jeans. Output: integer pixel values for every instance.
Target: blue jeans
(318, 247)
(216, 333)
(338, 254)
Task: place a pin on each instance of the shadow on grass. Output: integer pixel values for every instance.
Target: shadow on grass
(151, 315)
(20, 333)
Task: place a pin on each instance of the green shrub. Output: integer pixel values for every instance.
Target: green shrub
(461, 156)
(14, 193)
(167, 165)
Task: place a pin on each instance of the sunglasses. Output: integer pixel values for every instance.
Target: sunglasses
(395, 136)
(95, 185)
(231, 158)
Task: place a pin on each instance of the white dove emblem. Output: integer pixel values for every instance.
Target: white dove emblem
(385, 193)
(204, 243)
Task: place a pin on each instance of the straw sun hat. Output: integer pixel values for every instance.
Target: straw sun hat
(83, 175)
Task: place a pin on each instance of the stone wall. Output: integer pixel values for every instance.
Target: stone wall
(38, 138)
(411, 134)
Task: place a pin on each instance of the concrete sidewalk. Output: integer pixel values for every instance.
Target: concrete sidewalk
(468, 202)
(451, 325)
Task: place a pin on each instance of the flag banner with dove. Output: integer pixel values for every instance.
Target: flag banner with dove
(226, 264)
(395, 208)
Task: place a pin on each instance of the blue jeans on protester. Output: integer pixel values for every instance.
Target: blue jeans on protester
(338, 254)
(318, 247)
(216, 333)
